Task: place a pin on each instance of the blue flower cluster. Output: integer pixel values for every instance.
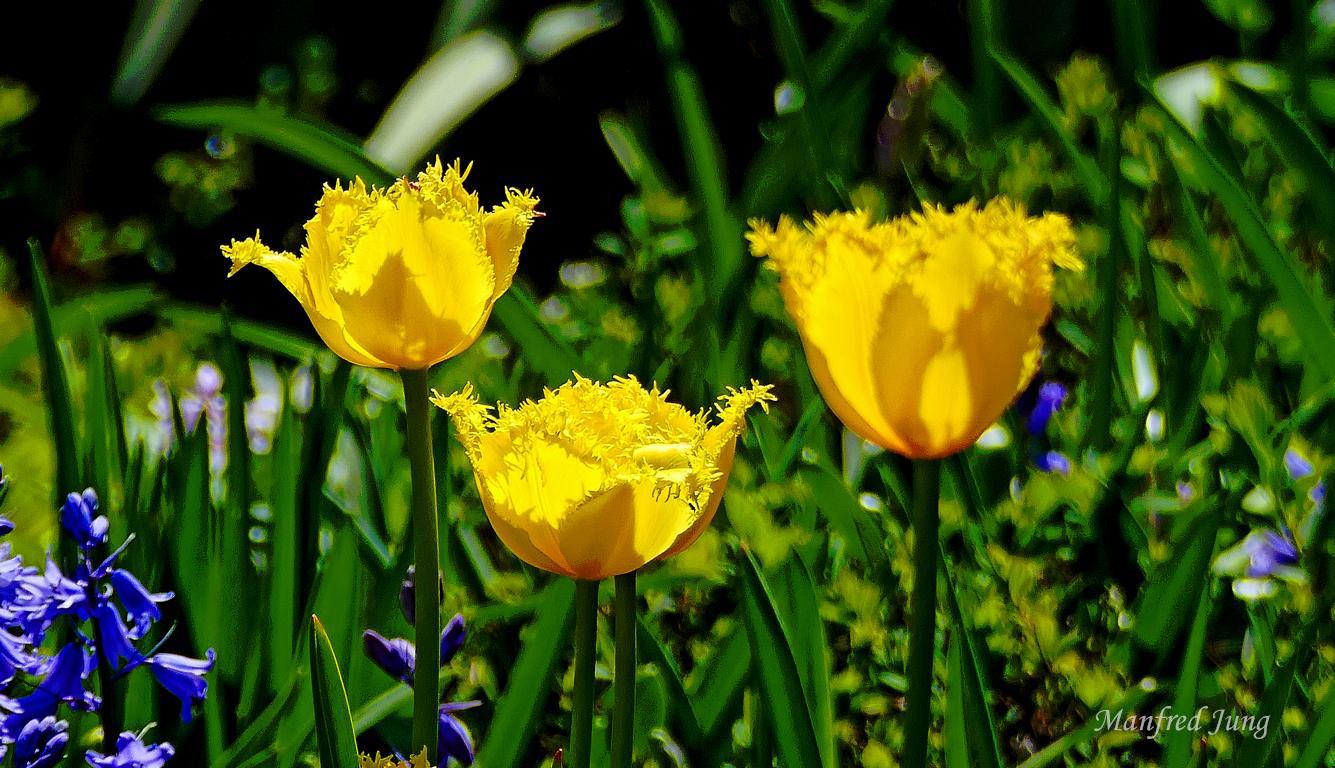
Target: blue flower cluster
(398, 658)
(58, 626)
(1047, 402)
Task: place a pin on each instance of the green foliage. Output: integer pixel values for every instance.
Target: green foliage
(1198, 347)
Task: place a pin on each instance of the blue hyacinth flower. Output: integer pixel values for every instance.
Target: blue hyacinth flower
(79, 518)
(1259, 562)
(183, 677)
(396, 657)
(113, 642)
(63, 683)
(454, 739)
(132, 752)
(1051, 398)
(41, 743)
(140, 604)
(1298, 466)
(1053, 461)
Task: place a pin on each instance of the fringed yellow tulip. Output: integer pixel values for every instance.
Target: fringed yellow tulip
(596, 480)
(418, 761)
(402, 277)
(920, 331)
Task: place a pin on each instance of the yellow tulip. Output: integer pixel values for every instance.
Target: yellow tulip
(596, 480)
(418, 761)
(920, 331)
(402, 277)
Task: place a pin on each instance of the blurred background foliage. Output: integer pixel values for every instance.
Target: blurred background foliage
(1088, 563)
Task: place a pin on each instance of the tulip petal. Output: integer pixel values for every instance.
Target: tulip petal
(711, 505)
(506, 226)
(295, 276)
(622, 529)
(415, 282)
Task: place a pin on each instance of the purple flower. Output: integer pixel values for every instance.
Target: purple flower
(16, 656)
(1268, 552)
(79, 518)
(132, 752)
(1051, 398)
(41, 743)
(1258, 562)
(183, 677)
(40, 599)
(452, 639)
(140, 604)
(1053, 461)
(455, 740)
(1297, 465)
(113, 643)
(63, 683)
(396, 657)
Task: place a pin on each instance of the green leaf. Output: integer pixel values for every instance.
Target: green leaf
(55, 383)
(1167, 601)
(1323, 733)
(1312, 325)
(839, 506)
(520, 709)
(971, 732)
(1300, 151)
(1204, 258)
(104, 433)
(1258, 752)
(333, 717)
(320, 145)
(154, 31)
(776, 672)
(800, 605)
(1177, 743)
(723, 256)
(680, 707)
(282, 572)
(236, 577)
(262, 726)
(718, 685)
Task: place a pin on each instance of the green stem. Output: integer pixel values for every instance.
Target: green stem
(426, 551)
(922, 609)
(623, 714)
(586, 640)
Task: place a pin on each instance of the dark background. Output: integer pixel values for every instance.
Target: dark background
(82, 154)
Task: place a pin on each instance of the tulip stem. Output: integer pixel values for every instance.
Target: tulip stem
(586, 640)
(922, 609)
(623, 715)
(426, 550)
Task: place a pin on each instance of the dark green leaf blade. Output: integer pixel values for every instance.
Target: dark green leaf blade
(55, 382)
(971, 740)
(333, 717)
(323, 146)
(776, 672)
(520, 708)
